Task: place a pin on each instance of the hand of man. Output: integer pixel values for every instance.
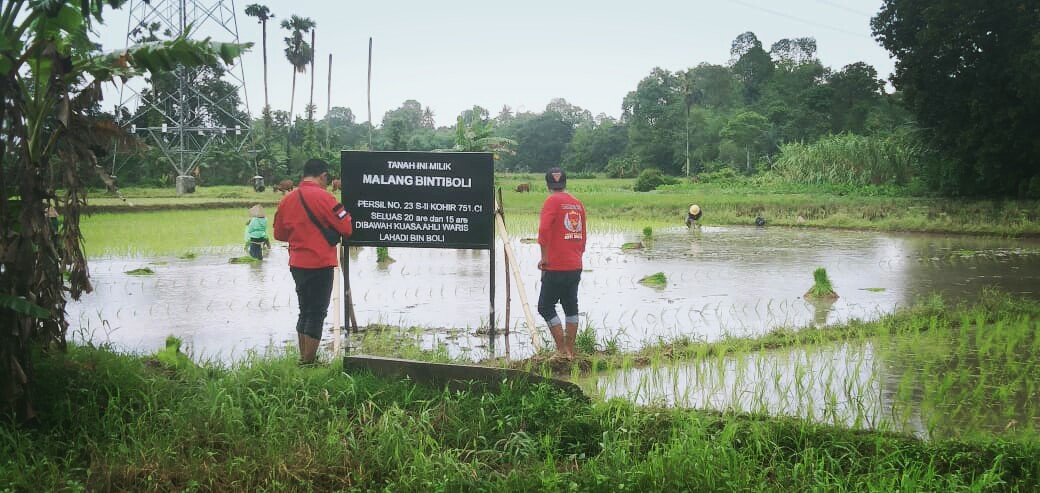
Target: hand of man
(542, 264)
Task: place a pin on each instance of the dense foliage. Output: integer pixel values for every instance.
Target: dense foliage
(970, 74)
(50, 137)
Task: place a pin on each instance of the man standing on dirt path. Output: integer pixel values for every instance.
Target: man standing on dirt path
(304, 217)
(561, 236)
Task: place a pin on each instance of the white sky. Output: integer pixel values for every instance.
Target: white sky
(452, 54)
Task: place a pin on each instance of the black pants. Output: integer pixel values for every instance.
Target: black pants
(562, 287)
(256, 248)
(313, 289)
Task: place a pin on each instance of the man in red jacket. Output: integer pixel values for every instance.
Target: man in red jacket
(561, 236)
(301, 217)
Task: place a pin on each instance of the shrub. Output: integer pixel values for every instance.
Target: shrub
(651, 178)
(621, 167)
(725, 174)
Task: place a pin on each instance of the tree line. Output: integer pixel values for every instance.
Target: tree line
(707, 117)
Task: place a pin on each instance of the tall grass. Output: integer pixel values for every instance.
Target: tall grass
(851, 160)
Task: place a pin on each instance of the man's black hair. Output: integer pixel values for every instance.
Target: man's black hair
(314, 168)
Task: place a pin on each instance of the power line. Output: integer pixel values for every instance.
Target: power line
(845, 8)
(798, 19)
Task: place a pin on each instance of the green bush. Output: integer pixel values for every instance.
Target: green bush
(651, 178)
(725, 174)
(621, 167)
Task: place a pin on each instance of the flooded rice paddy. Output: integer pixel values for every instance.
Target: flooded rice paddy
(883, 385)
(720, 281)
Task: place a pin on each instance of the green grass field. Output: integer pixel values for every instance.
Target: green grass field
(163, 222)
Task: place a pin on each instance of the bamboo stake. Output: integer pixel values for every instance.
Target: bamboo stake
(336, 325)
(500, 211)
(369, 94)
(511, 260)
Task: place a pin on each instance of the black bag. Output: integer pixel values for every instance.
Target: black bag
(331, 235)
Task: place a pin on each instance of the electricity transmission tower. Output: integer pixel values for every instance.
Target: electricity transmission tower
(182, 117)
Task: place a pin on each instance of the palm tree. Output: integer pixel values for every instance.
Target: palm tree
(262, 13)
(692, 95)
(313, 33)
(297, 51)
(479, 137)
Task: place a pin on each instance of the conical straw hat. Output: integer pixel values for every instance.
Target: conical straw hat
(695, 209)
(256, 211)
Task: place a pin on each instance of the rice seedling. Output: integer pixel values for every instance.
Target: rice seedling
(821, 288)
(245, 259)
(383, 256)
(648, 232)
(142, 271)
(657, 280)
(585, 342)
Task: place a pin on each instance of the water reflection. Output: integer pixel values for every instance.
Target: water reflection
(731, 280)
(902, 384)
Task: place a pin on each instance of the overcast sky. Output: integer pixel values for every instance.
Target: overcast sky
(450, 55)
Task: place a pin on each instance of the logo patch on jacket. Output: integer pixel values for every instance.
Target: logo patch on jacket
(339, 211)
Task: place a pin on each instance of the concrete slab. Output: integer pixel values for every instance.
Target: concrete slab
(452, 375)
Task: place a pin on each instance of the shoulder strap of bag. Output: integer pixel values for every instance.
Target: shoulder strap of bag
(309, 213)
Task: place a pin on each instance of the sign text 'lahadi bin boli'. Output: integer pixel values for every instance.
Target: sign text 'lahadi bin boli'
(420, 199)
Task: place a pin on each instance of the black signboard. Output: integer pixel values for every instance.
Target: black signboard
(420, 199)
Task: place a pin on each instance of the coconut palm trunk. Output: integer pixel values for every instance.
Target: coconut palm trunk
(263, 27)
(292, 98)
(263, 14)
(313, 32)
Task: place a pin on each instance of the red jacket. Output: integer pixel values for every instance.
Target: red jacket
(307, 247)
(562, 231)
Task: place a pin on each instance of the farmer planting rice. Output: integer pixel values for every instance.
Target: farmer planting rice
(693, 216)
(256, 232)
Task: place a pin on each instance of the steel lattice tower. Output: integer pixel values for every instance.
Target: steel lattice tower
(172, 120)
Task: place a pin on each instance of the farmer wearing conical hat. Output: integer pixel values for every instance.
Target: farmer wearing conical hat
(256, 232)
(693, 216)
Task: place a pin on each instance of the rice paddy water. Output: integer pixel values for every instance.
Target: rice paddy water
(721, 282)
